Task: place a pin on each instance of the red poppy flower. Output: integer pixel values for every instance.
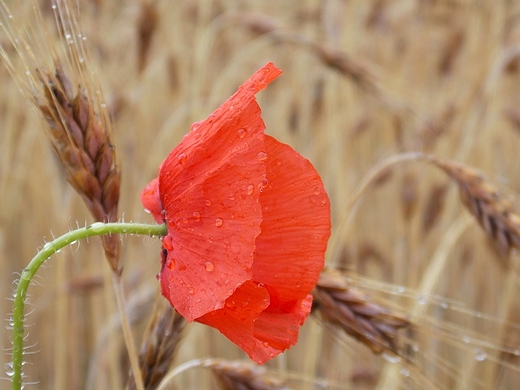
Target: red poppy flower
(248, 222)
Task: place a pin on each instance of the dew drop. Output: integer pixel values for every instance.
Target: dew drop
(250, 189)
(209, 266)
(391, 358)
(170, 264)
(466, 340)
(191, 290)
(263, 184)
(317, 191)
(480, 355)
(167, 243)
(182, 267)
(230, 304)
(195, 126)
(422, 299)
(182, 158)
(241, 133)
(231, 197)
(262, 156)
(323, 201)
(313, 199)
(405, 372)
(266, 344)
(53, 6)
(8, 367)
(208, 202)
(196, 215)
(218, 222)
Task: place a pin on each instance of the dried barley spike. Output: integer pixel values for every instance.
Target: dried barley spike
(159, 347)
(83, 144)
(368, 322)
(492, 210)
(243, 376)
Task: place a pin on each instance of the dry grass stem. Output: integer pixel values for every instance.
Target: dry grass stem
(494, 212)
(159, 346)
(238, 375)
(434, 206)
(366, 321)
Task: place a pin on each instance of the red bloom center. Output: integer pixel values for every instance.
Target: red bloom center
(248, 223)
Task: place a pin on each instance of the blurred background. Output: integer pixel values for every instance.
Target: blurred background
(364, 84)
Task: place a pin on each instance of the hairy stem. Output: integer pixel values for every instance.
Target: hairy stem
(96, 229)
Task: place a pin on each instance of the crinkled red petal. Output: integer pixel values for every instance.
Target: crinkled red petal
(151, 200)
(209, 186)
(236, 320)
(295, 229)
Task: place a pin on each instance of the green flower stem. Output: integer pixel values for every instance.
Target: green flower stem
(96, 229)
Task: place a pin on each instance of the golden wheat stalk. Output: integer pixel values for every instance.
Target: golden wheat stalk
(368, 322)
(159, 347)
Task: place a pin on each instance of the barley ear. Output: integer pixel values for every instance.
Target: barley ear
(350, 310)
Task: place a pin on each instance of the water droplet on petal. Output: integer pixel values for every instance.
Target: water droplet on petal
(241, 133)
(263, 184)
(218, 222)
(208, 202)
(196, 215)
(313, 199)
(266, 344)
(170, 264)
(209, 266)
(191, 290)
(262, 156)
(230, 304)
(167, 243)
(317, 191)
(250, 189)
(185, 220)
(182, 158)
(422, 299)
(231, 197)
(195, 126)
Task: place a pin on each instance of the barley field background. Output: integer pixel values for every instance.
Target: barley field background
(384, 97)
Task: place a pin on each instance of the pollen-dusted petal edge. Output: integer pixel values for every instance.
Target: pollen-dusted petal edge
(248, 223)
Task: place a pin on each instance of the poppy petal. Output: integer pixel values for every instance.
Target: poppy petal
(236, 320)
(209, 190)
(151, 200)
(296, 225)
(277, 330)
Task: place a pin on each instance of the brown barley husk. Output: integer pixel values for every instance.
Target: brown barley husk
(357, 314)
